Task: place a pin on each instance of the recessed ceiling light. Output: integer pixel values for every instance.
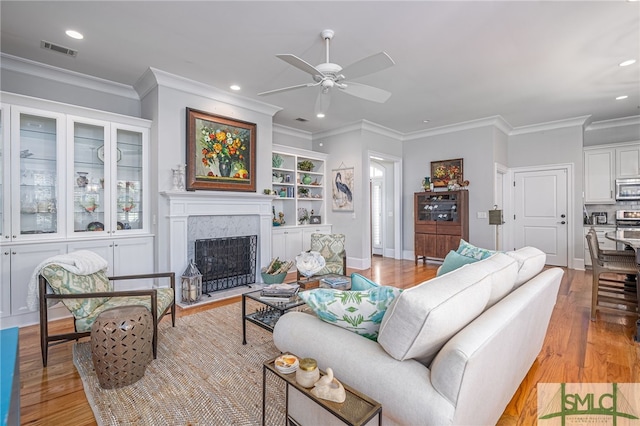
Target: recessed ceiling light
(320, 115)
(74, 34)
(627, 62)
(425, 121)
(234, 87)
(619, 98)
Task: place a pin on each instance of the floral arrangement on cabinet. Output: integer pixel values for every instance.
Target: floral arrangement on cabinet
(223, 151)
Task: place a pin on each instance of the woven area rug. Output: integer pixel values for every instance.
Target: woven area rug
(203, 375)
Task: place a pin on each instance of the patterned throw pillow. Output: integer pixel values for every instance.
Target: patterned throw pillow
(360, 283)
(62, 281)
(357, 311)
(470, 250)
(331, 247)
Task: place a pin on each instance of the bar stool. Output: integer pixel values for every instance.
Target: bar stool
(608, 293)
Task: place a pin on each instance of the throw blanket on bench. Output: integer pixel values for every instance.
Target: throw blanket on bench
(81, 262)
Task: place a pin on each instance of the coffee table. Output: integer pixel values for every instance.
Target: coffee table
(358, 409)
(267, 316)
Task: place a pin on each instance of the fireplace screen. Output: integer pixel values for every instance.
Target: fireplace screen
(226, 262)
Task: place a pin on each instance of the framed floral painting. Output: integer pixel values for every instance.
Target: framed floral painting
(221, 153)
(446, 170)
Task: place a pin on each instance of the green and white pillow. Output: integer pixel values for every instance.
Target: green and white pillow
(62, 281)
(357, 311)
(453, 261)
(469, 250)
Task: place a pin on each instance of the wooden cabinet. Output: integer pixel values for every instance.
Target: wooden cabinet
(441, 219)
(603, 165)
(286, 243)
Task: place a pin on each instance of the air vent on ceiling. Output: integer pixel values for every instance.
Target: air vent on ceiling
(301, 119)
(57, 48)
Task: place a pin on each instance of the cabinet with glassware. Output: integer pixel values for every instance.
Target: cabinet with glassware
(441, 219)
(67, 174)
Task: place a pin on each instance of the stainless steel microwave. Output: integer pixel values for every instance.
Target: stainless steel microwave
(627, 189)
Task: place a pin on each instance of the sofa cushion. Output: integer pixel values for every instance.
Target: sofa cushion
(423, 318)
(469, 250)
(62, 281)
(530, 262)
(360, 283)
(453, 261)
(164, 298)
(357, 311)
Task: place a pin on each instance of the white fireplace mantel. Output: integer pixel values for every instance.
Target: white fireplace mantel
(183, 204)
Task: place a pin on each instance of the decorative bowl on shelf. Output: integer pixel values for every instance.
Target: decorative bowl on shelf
(95, 226)
(126, 204)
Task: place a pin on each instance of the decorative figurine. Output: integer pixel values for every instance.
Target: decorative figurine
(329, 388)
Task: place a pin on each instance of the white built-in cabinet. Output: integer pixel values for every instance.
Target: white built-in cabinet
(296, 191)
(603, 165)
(70, 178)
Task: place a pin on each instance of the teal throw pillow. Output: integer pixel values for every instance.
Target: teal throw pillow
(453, 261)
(360, 283)
(470, 250)
(358, 311)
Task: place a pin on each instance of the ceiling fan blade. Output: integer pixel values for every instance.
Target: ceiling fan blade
(285, 89)
(363, 91)
(322, 101)
(368, 65)
(300, 64)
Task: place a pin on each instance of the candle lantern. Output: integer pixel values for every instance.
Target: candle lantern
(191, 284)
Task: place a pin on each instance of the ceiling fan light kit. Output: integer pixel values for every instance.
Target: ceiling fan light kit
(329, 76)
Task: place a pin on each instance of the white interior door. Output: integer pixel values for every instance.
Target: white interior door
(540, 209)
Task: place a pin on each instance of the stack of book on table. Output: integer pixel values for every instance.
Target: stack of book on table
(335, 281)
(279, 292)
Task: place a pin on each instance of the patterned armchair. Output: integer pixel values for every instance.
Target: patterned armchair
(86, 296)
(331, 247)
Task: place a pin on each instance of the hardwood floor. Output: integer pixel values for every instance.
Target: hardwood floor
(575, 350)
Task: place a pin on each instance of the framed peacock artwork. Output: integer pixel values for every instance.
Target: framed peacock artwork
(342, 189)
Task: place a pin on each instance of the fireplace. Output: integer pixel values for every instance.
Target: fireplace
(243, 209)
(226, 262)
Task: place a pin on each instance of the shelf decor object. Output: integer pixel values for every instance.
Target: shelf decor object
(445, 171)
(220, 153)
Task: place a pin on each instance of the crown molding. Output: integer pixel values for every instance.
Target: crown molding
(154, 77)
(48, 72)
(616, 122)
(358, 126)
(495, 121)
(290, 131)
(551, 125)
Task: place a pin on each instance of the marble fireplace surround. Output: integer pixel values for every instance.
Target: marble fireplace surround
(183, 205)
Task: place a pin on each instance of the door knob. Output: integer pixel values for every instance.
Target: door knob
(563, 216)
(562, 223)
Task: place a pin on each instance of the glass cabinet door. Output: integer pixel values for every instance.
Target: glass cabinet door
(5, 193)
(128, 154)
(437, 206)
(35, 190)
(88, 178)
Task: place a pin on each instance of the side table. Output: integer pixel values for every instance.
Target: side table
(358, 409)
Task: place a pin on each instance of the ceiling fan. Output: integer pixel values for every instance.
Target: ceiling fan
(329, 76)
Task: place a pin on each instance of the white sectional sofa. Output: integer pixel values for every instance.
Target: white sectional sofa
(451, 351)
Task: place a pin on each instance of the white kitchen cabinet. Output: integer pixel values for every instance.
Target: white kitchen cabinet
(313, 229)
(599, 176)
(628, 161)
(603, 165)
(286, 243)
(125, 256)
(603, 242)
(18, 264)
(5, 177)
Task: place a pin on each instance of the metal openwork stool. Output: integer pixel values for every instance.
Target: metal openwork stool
(121, 345)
